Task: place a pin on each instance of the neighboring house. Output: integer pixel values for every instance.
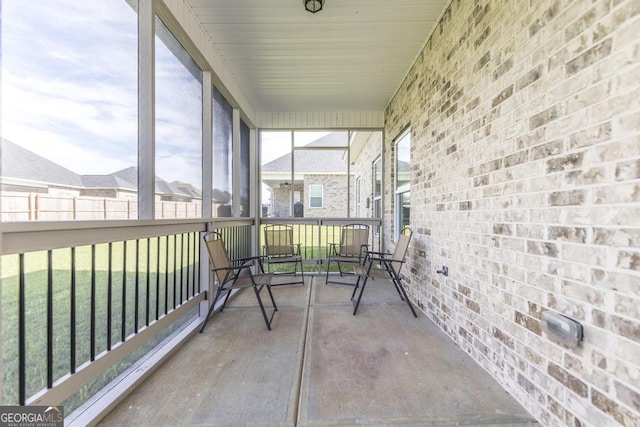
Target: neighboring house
(24, 171)
(319, 186)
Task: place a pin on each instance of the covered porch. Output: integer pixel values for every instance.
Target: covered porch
(505, 134)
(320, 365)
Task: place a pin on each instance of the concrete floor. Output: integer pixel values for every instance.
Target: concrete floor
(320, 366)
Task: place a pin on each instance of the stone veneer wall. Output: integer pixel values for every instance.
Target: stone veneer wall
(525, 125)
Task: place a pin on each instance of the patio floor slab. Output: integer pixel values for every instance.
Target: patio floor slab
(320, 366)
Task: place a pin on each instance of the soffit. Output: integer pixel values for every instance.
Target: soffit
(351, 56)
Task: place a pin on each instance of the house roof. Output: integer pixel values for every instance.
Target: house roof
(313, 160)
(106, 181)
(20, 163)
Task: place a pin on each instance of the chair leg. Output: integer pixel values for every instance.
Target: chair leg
(267, 321)
(226, 298)
(273, 301)
(355, 309)
(355, 288)
(406, 299)
(301, 271)
(210, 312)
(396, 285)
(328, 267)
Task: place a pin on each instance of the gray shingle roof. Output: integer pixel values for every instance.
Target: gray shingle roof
(106, 181)
(18, 162)
(318, 161)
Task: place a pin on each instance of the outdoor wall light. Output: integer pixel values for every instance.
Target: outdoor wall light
(313, 6)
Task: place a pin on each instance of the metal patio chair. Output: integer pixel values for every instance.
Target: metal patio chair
(280, 249)
(385, 266)
(354, 241)
(237, 274)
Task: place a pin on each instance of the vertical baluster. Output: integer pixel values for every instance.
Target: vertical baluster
(157, 277)
(109, 295)
(22, 339)
(181, 266)
(72, 314)
(136, 299)
(123, 323)
(166, 275)
(242, 247)
(188, 265)
(49, 318)
(196, 257)
(93, 304)
(175, 268)
(148, 283)
(195, 263)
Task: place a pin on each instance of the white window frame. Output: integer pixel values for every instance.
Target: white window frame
(321, 196)
(400, 190)
(376, 196)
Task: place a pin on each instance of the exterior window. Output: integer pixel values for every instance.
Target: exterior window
(358, 202)
(315, 196)
(377, 191)
(403, 182)
(245, 174)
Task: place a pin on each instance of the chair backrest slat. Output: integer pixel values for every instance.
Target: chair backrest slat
(218, 254)
(352, 238)
(401, 249)
(278, 240)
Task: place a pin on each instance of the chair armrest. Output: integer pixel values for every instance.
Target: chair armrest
(234, 267)
(244, 260)
(384, 259)
(231, 268)
(379, 254)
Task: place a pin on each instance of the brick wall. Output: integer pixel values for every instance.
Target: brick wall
(334, 191)
(525, 125)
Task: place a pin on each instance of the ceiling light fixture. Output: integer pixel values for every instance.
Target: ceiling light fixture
(313, 6)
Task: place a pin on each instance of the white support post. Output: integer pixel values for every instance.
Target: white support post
(207, 144)
(254, 176)
(207, 183)
(255, 189)
(146, 113)
(236, 163)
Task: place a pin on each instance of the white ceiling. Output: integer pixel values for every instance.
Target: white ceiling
(351, 56)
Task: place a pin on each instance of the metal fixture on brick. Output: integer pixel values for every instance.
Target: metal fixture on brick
(313, 6)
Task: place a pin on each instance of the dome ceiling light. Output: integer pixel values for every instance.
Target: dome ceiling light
(313, 6)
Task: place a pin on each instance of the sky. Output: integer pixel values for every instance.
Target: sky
(69, 89)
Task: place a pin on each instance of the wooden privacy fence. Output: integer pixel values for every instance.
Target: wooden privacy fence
(50, 207)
